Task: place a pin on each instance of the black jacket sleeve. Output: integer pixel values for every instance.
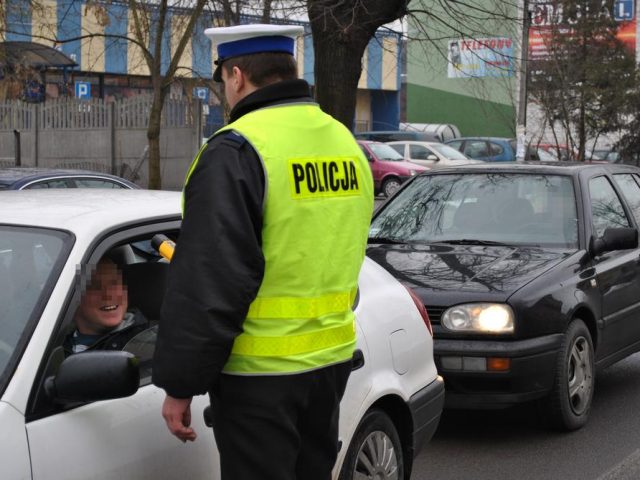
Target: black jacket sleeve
(216, 270)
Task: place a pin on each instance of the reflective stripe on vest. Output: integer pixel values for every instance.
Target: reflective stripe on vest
(293, 344)
(293, 307)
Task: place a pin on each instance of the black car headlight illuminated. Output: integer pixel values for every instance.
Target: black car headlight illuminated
(479, 318)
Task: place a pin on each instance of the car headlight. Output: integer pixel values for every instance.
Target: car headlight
(413, 173)
(479, 318)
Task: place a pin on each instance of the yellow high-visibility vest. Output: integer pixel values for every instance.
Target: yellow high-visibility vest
(318, 205)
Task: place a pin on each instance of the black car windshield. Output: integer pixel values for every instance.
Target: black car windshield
(30, 261)
(384, 152)
(500, 208)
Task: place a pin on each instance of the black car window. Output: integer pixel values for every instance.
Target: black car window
(484, 207)
(96, 183)
(56, 183)
(606, 208)
(631, 192)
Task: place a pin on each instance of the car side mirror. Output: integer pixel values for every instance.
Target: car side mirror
(94, 375)
(431, 157)
(614, 239)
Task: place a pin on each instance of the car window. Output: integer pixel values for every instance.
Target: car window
(30, 262)
(57, 183)
(128, 275)
(495, 149)
(507, 208)
(456, 144)
(96, 183)
(476, 149)
(606, 208)
(399, 147)
(631, 192)
(384, 152)
(419, 152)
(448, 152)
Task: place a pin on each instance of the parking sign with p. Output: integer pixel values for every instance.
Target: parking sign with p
(83, 90)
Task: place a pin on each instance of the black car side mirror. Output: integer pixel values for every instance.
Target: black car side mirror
(94, 375)
(614, 239)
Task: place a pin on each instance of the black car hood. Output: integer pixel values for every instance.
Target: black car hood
(475, 272)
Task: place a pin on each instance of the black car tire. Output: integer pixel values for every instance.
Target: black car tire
(390, 186)
(375, 450)
(567, 406)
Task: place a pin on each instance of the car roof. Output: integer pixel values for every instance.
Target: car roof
(85, 210)
(506, 139)
(558, 168)
(11, 175)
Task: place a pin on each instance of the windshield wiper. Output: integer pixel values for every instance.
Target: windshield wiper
(471, 241)
(386, 240)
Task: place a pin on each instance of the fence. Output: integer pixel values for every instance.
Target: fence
(96, 135)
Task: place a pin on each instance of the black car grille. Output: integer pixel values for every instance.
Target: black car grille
(435, 314)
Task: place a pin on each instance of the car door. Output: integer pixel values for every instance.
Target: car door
(617, 273)
(124, 438)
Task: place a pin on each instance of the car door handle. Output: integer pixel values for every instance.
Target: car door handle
(357, 361)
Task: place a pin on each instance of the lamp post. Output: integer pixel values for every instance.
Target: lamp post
(521, 124)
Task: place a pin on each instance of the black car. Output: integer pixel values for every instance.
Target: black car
(530, 274)
(23, 178)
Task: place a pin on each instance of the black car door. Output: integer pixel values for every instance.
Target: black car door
(617, 273)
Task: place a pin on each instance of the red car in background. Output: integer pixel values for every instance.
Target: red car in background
(388, 167)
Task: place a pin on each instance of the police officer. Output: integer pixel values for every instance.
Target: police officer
(258, 310)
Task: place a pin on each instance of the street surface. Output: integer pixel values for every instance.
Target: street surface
(513, 444)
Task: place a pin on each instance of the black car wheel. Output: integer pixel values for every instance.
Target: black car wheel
(567, 406)
(375, 451)
(390, 186)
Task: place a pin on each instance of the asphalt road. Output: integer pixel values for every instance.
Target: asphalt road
(513, 444)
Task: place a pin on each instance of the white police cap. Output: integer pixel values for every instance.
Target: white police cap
(255, 38)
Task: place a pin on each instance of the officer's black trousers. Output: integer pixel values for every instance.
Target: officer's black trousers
(280, 427)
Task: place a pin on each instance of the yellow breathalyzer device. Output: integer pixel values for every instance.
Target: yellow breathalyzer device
(164, 245)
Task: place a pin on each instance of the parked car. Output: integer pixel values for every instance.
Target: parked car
(431, 154)
(530, 275)
(560, 151)
(391, 135)
(490, 149)
(388, 167)
(96, 414)
(26, 178)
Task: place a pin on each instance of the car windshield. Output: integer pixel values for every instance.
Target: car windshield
(384, 152)
(30, 261)
(448, 152)
(507, 208)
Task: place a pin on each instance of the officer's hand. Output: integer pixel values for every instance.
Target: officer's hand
(177, 413)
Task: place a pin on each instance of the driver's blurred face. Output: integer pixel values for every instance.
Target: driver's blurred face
(104, 303)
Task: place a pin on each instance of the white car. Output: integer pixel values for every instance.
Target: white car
(431, 154)
(96, 414)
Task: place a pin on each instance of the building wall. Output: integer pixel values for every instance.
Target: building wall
(476, 94)
(116, 56)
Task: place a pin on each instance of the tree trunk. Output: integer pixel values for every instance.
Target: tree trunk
(341, 32)
(153, 136)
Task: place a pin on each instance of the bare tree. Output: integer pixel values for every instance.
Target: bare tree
(585, 80)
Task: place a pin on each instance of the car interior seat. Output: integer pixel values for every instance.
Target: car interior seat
(146, 283)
